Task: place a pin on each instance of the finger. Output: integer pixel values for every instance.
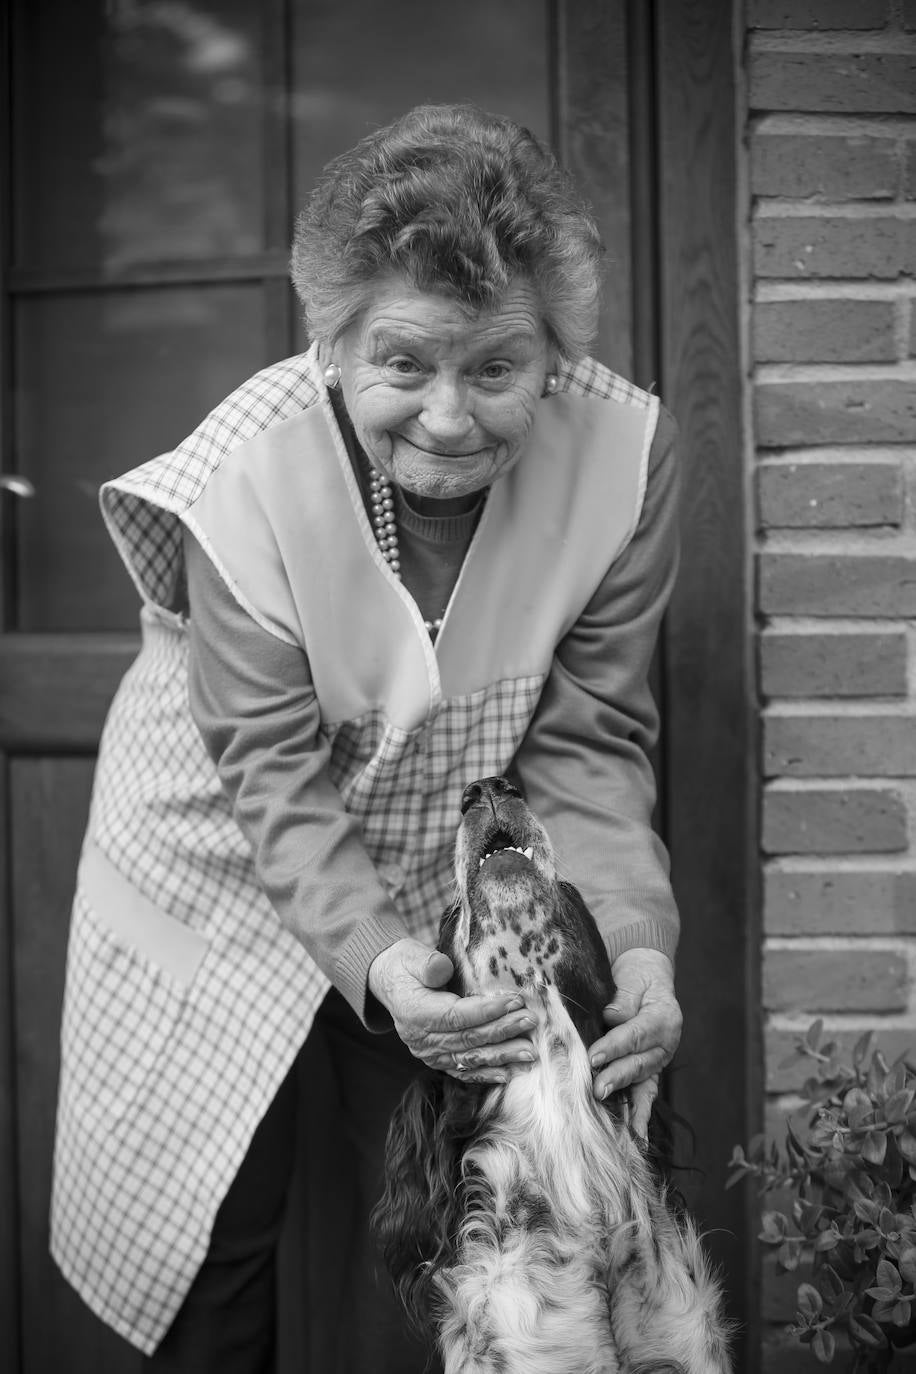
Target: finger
(517, 1051)
(494, 1032)
(488, 1076)
(437, 970)
(654, 1027)
(624, 1006)
(634, 1068)
(466, 1013)
(642, 1099)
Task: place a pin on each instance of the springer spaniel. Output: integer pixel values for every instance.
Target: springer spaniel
(522, 1223)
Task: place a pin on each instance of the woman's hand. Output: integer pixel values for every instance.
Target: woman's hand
(476, 1039)
(646, 1021)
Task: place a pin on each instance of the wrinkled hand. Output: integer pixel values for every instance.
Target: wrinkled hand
(646, 1029)
(478, 1039)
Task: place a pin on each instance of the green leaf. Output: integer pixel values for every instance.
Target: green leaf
(901, 1313)
(813, 1034)
(775, 1227)
(907, 1264)
(861, 1048)
(865, 1331)
(864, 1208)
(810, 1302)
(830, 1283)
(894, 1082)
(906, 1144)
(788, 1256)
(824, 1346)
(858, 1107)
(888, 1276)
(874, 1147)
(898, 1104)
(827, 1240)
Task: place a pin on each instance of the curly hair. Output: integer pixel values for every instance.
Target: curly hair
(461, 202)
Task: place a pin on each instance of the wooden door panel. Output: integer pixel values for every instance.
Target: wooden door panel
(49, 799)
(180, 151)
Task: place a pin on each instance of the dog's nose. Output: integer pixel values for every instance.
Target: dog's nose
(492, 790)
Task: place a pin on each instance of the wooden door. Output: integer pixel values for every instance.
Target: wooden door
(156, 156)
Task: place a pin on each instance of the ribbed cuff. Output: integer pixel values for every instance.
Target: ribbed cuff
(351, 975)
(647, 934)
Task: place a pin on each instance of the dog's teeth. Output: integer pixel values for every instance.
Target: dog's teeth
(529, 852)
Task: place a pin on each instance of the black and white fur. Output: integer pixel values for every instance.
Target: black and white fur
(522, 1223)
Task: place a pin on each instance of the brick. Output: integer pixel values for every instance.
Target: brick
(824, 331)
(818, 495)
(833, 82)
(779, 1043)
(847, 664)
(805, 980)
(803, 745)
(840, 584)
(829, 166)
(816, 14)
(845, 410)
(858, 819)
(840, 902)
(909, 169)
(860, 247)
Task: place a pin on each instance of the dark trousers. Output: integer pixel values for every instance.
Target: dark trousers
(227, 1322)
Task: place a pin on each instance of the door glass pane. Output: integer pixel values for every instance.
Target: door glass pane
(106, 381)
(360, 64)
(138, 132)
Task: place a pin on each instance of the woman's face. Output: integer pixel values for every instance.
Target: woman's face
(443, 399)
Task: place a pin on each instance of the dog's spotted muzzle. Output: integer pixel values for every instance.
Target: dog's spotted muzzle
(506, 926)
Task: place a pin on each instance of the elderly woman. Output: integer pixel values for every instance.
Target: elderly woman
(435, 547)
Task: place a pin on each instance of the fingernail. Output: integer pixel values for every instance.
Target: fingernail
(597, 1059)
(527, 1023)
(526, 1055)
(515, 1003)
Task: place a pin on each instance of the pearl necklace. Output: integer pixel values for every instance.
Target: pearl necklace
(381, 504)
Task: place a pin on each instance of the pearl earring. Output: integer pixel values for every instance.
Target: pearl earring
(331, 376)
(551, 382)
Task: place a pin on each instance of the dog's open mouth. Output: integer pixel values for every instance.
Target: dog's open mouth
(500, 847)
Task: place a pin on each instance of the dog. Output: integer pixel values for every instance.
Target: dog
(523, 1225)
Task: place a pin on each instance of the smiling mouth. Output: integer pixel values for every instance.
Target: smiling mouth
(444, 453)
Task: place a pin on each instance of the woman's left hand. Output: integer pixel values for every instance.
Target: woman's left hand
(646, 1025)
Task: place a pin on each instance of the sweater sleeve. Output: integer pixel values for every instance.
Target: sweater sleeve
(252, 698)
(584, 762)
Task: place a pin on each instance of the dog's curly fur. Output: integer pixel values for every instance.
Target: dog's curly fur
(523, 1224)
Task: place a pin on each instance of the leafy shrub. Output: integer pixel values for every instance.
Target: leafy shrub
(849, 1166)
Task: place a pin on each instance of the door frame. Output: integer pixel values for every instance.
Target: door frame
(685, 304)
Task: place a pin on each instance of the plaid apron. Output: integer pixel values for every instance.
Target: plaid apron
(186, 1000)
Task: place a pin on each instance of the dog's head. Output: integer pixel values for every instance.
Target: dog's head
(514, 925)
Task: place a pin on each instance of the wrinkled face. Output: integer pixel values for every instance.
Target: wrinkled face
(443, 399)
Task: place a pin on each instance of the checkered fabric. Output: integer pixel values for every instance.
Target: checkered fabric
(163, 1081)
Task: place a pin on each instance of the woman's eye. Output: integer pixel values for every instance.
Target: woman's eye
(404, 367)
(495, 372)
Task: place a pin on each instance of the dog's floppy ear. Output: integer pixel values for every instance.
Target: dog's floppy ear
(583, 975)
(418, 1215)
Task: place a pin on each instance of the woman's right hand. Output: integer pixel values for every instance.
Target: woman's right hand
(478, 1039)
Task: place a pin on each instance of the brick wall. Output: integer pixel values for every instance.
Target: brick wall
(831, 88)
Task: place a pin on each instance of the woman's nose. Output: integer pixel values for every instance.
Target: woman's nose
(446, 414)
